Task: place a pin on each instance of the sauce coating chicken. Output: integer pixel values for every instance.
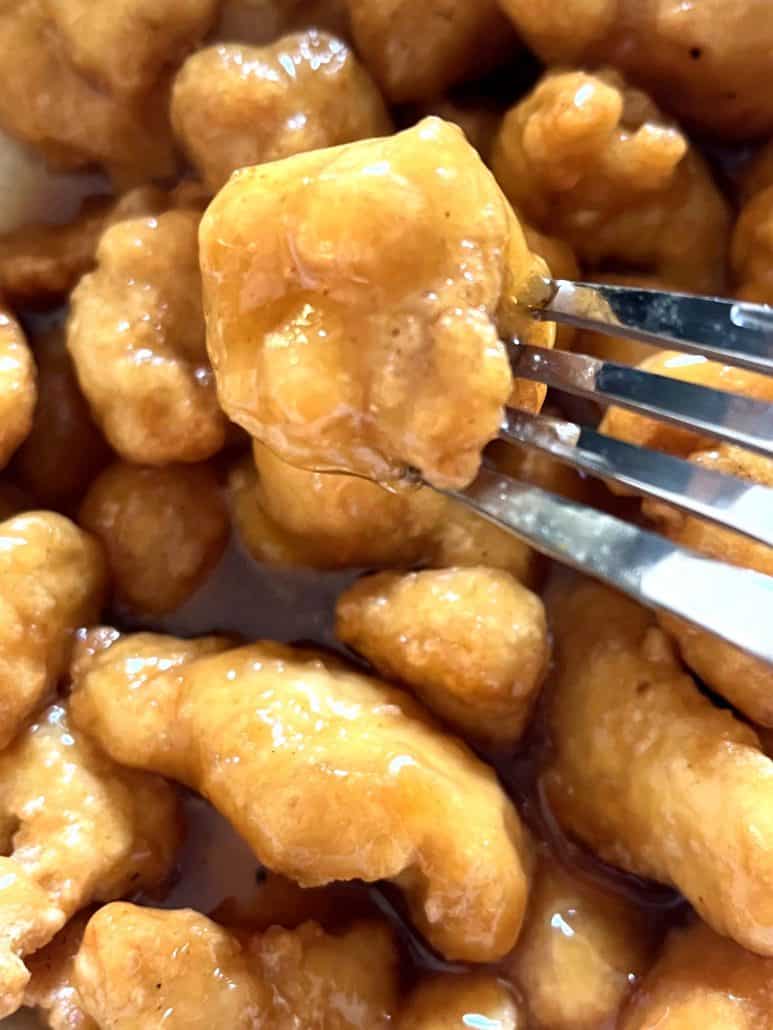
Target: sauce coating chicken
(354, 301)
(326, 773)
(18, 387)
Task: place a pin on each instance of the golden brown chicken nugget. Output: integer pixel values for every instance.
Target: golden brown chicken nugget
(746, 681)
(52, 580)
(64, 450)
(78, 828)
(350, 334)
(135, 963)
(703, 980)
(417, 50)
(593, 161)
(235, 105)
(704, 61)
(18, 387)
(472, 643)
(326, 773)
(136, 336)
(453, 1002)
(163, 529)
(751, 253)
(581, 950)
(649, 773)
(106, 66)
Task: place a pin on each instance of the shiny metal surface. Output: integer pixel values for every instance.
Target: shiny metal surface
(730, 331)
(735, 503)
(735, 604)
(725, 416)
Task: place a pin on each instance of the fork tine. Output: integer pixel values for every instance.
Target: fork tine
(734, 503)
(725, 416)
(735, 604)
(730, 331)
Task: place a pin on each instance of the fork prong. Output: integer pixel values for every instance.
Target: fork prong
(715, 413)
(730, 331)
(735, 604)
(737, 504)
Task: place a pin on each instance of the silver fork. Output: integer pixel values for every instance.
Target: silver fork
(734, 603)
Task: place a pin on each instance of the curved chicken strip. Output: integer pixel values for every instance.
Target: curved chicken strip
(78, 828)
(354, 301)
(650, 774)
(471, 642)
(458, 1001)
(18, 388)
(593, 161)
(326, 773)
(581, 950)
(236, 105)
(137, 963)
(703, 980)
(136, 337)
(52, 580)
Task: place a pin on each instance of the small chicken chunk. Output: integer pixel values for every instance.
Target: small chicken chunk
(650, 774)
(745, 681)
(18, 387)
(235, 105)
(50, 991)
(591, 160)
(52, 580)
(163, 530)
(64, 450)
(354, 300)
(136, 336)
(326, 773)
(263, 21)
(105, 66)
(581, 950)
(703, 980)
(77, 828)
(40, 263)
(751, 254)
(138, 965)
(453, 1002)
(417, 50)
(472, 643)
(691, 368)
(704, 61)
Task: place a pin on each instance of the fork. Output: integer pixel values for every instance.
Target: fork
(734, 603)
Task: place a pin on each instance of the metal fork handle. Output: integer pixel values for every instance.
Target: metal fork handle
(733, 332)
(735, 604)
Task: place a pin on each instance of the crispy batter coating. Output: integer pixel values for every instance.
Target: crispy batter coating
(580, 951)
(18, 386)
(354, 298)
(591, 160)
(263, 21)
(263, 730)
(650, 774)
(64, 450)
(647, 432)
(50, 990)
(136, 335)
(78, 828)
(417, 50)
(138, 965)
(40, 264)
(447, 1002)
(236, 105)
(745, 681)
(703, 980)
(52, 580)
(705, 61)
(472, 643)
(163, 530)
(751, 253)
(105, 66)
